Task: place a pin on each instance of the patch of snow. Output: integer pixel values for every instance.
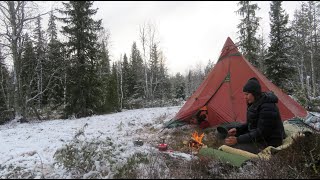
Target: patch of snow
(315, 113)
(32, 145)
(185, 156)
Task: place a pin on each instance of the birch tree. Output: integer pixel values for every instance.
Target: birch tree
(143, 40)
(118, 67)
(148, 35)
(313, 41)
(14, 17)
(299, 41)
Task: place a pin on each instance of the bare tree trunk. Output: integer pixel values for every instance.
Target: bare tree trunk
(313, 77)
(151, 34)
(15, 36)
(65, 91)
(155, 87)
(300, 70)
(65, 56)
(308, 87)
(262, 52)
(143, 39)
(41, 85)
(39, 82)
(119, 71)
(5, 96)
(14, 17)
(301, 67)
(314, 84)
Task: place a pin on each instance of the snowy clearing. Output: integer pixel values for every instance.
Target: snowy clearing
(31, 146)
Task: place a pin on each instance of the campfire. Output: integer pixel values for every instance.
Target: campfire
(196, 142)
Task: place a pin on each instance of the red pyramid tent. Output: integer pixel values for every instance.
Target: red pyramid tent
(221, 91)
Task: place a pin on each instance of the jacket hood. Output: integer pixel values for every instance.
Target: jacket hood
(266, 97)
(269, 97)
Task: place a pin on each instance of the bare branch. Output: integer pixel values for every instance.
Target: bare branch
(3, 12)
(18, 5)
(46, 88)
(6, 45)
(21, 20)
(1, 6)
(31, 18)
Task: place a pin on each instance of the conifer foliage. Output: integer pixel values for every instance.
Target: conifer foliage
(279, 68)
(249, 23)
(84, 88)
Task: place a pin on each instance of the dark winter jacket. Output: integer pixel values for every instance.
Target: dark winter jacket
(264, 124)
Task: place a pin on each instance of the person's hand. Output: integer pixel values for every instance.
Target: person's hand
(232, 132)
(231, 140)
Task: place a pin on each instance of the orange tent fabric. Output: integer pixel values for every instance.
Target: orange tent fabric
(204, 108)
(221, 91)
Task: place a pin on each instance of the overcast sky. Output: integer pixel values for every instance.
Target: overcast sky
(190, 33)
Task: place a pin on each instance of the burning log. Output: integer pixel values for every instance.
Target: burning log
(196, 142)
(195, 137)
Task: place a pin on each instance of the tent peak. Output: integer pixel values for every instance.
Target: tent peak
(229, 48)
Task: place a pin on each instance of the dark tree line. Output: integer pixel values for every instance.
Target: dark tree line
(51, 77)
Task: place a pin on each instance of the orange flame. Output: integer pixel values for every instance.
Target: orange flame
(197, 138)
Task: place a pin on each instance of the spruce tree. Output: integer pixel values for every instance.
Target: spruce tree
(4, 90)
(28, 72)
(208, 67)
(52, 27)
(179, 87)
(262, 52)
(189, 85)
(104, 66)
(163, 90)
(112, 95)
(84, 89)
(40, 56)
(4, 78)
(108, 80)
(55, 66)
(154, 70)
(248, 26)
(279, 68)
(137, 72)
(126, 81)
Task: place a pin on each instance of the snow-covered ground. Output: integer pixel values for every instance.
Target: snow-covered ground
(31, 146)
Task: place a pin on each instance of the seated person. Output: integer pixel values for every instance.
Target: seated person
(264, 126)
(201, 118)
